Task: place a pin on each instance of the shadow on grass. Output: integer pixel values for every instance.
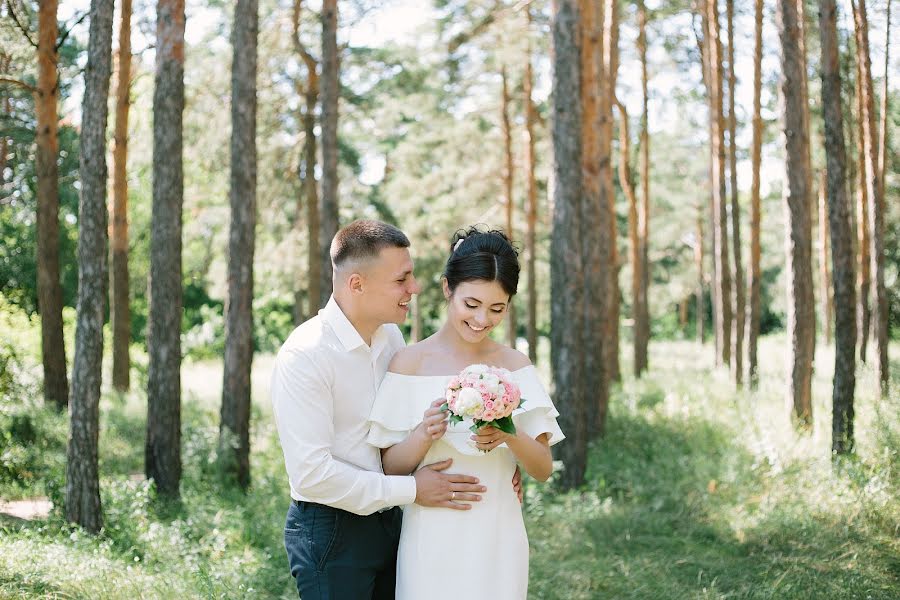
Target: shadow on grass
(677, 509)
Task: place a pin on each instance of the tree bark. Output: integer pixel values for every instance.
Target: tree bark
(882, 124)
(874, 193)
(566, 255)
(634, 243)
(234, 428)
(508, 196)
(720, 215)
(531, 221)
(328, 209)
(6, 109)
(49, 287)
(120, 313)
(698, 259)
(801, 313)
(82, 477)
(864, 311)
(162, 454)
(807, 145)
(842, 256)
(640, 292)
(595, 218)
(737, 332)
(706, 72)
(755, 213)
(611, 69)
(308, 174)
(824, 271)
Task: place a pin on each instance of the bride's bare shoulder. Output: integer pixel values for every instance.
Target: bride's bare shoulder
(511, 359)
(408, 361)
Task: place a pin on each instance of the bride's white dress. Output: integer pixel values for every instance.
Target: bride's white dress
(476, 554)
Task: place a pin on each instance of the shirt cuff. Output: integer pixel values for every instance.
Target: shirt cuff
(402, 490)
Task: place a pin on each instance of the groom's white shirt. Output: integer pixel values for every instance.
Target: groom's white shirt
(323, 387)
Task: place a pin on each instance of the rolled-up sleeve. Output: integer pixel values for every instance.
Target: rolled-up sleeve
(303, 404)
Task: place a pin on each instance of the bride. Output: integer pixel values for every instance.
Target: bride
(481, 552)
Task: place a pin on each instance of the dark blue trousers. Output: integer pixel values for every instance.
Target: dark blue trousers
(337, 555)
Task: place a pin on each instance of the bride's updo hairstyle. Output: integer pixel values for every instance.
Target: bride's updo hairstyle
(477, 255)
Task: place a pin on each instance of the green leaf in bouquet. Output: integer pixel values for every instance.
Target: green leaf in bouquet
(505, 425)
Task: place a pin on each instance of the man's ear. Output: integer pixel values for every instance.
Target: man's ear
(355, 283)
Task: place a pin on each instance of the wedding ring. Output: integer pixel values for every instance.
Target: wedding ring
(452, 496)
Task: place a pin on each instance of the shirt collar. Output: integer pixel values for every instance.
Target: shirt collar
(344, 329)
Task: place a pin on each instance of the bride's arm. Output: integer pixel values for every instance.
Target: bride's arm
(532, 453)
(404, 458)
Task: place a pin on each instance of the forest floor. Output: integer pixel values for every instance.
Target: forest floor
(698, 490)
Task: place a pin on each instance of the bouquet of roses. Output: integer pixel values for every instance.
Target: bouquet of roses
(487, 395)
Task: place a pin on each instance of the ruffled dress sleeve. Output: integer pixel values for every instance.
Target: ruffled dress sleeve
(537, 414)
(397, 410)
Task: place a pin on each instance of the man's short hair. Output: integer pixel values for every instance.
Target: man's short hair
(362, 240)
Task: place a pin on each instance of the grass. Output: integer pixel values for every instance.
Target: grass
(697, 491)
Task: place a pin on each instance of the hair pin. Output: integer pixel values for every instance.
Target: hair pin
(457, 244)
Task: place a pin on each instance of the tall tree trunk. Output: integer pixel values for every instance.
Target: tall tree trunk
(162, 454)
(824, 271)
(720, 215)
(842, 256)
(864, 312)
(120, 313)
(642, 312)
(874, 193)
(595, 217)
(737, 331)
(508, 196)
(234, 428)
(634, 239)
(82, 477)
(611, 68)
(882, 125)
(807, 145)
(328, 209)
(698, 259)
(566, 273)
(310, 189)
(531, 221)
(706, 71)
(801, 311)
(5, 110)
(49, 287)
(755, 213)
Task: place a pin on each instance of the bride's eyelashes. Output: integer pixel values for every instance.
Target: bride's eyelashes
(493, 310)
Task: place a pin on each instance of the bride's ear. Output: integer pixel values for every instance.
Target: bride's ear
(446, 287)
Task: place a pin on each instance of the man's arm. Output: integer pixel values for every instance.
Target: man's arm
(304, 414)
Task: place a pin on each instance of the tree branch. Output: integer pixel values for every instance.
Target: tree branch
(20, 84)
(22, 28)
(65, 34)
(308, 59)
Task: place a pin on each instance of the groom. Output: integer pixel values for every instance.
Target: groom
(343, 525)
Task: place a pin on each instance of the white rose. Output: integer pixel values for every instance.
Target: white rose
(492, 382)
(468, 403)
(476, 369)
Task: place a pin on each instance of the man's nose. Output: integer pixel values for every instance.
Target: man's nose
(415, 288)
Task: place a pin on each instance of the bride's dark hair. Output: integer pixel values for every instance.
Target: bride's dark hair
(482, 255)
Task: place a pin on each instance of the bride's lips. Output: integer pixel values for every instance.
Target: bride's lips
(476, 329)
